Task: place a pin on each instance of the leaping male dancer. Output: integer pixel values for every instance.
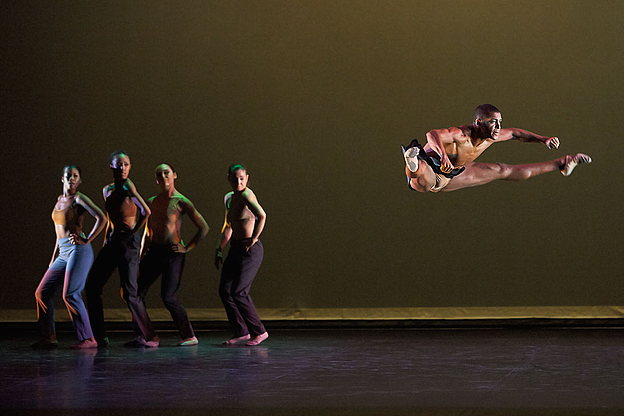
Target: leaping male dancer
(446, 161)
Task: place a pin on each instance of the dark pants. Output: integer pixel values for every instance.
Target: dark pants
(121, 251)
(68, 270)
(239, 269)
(161, 260)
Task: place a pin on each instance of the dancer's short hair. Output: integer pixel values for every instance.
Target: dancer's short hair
(117, 153)
(168, 164)
(236, 166)
(483, 111)
(68, 167)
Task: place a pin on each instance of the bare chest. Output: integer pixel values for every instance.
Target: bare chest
(238, 210)
(467, 152)
(166, 211)
(119, 202)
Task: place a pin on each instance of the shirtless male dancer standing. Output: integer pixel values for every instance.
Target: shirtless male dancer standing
(122, 249)
(167, 252)
(244, 222)
(446, 162)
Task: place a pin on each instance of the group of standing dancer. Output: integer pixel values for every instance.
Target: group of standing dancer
(140, 261)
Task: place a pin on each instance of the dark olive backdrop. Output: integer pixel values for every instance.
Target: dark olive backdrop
(316, 97)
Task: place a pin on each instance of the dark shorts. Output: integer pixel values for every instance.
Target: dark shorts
(433, 160)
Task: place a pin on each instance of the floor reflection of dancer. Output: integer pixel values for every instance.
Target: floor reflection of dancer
(244, 221)
(446, 162)
(167, 252)
(72, 265)
(127, 213)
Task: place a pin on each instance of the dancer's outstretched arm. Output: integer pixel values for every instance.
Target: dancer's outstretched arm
(528, 137)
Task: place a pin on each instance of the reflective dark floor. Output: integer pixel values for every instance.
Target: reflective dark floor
(324, 372)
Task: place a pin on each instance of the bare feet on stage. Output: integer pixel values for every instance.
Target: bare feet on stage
(85, 344)
(570, 162)
(141, 342)
(103, 342)
(236, 340)
(188, 342)
(45, 343)
(152, 343)
(257, 340)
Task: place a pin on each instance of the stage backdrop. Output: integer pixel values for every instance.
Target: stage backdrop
(316, 97)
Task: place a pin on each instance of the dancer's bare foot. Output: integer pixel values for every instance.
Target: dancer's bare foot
(152, 343)
(236, 340)
(103, 342)
(411, 158)
(188, 342)
(257, 340)
(85, 343)
(570, 162)
(45, 343)
(139, 342)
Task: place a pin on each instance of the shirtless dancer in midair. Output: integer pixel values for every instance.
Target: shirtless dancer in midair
(446, 161)
(167, 252)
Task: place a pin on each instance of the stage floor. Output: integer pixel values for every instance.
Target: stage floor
(324, 372)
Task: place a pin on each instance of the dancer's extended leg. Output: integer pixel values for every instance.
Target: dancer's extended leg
(482, 173)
